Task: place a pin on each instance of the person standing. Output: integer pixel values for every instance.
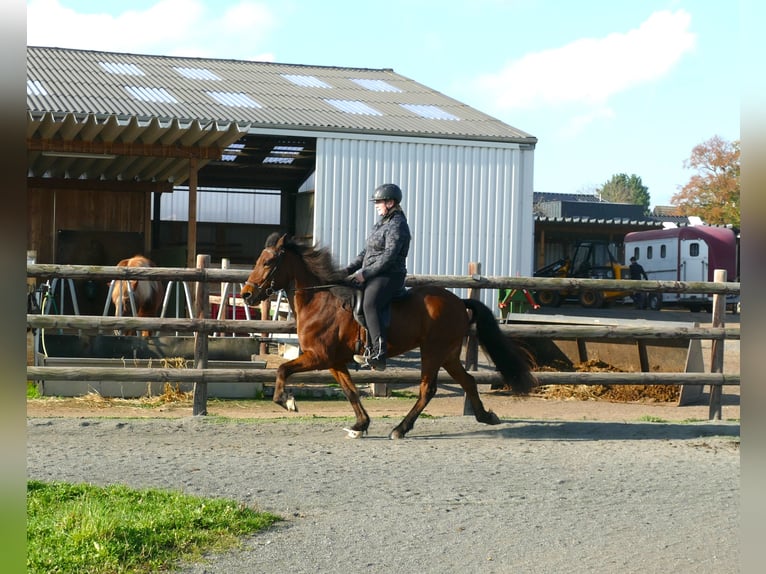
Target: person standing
(637, 273)
(380, 270)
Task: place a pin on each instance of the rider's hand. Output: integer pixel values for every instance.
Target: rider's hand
(357, 277)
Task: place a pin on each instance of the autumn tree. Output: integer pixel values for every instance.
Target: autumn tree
(713, 192)
(626, 189)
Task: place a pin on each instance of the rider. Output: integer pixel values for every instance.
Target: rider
(380, 269)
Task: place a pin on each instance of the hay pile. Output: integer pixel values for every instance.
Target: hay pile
(613, 393)
(171, 392)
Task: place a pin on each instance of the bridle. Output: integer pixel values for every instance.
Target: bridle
(270, 290)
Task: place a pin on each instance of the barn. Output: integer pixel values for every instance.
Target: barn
(177, 156)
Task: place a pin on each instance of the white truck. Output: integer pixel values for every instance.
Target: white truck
(690, 253)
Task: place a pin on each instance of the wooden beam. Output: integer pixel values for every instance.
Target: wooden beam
(98, 185)
(75, 147)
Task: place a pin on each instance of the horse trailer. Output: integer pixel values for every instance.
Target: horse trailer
(684, 254)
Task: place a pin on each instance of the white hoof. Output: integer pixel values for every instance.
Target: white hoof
(351, 433)
(290, 404)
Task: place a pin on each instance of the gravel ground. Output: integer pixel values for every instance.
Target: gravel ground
(455, 496)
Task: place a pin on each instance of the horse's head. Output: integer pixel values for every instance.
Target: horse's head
(268, 275)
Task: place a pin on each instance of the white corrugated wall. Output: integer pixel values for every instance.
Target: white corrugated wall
(465, 201)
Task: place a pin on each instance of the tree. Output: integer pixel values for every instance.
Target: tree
(626, 189)
(713, 193)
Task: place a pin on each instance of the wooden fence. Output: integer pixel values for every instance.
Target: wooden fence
(202, 327)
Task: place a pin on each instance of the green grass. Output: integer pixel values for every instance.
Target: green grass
(651, 419)
(32, 392)
(93, 530)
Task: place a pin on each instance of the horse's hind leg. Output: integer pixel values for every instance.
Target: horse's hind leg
(456, 370)
(427, 391)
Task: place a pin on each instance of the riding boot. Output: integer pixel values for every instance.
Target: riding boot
(377, 359)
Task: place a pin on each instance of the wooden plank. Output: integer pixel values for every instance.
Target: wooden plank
(172, 325)
(391, 376)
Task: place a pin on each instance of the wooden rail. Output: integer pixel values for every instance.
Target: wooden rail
(44, 271)
(391, 376)
(90, 323)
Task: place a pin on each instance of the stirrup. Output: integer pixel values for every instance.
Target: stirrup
(362, 359)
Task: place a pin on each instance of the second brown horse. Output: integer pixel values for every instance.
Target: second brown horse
(432, 318)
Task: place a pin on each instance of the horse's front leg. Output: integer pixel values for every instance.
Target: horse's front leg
(349, 389)
(307, 361)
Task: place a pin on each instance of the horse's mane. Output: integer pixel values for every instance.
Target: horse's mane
(319, 260)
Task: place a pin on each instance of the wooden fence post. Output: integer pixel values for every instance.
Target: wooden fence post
(263, 347)
(716, 349)
(201, 311)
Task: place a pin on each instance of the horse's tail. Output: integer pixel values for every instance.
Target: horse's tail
(512, 360)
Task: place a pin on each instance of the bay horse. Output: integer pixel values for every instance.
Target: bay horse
(432, 318)
(147, 294)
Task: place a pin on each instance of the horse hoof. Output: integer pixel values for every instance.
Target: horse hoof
(351, 433)
(396, 434)
(290, 404)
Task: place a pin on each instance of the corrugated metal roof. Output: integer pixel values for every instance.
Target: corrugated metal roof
(587, 220)
(262, 94)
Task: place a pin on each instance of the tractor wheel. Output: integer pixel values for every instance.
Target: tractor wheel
(654, 301)
(592, 299)
(549, 298)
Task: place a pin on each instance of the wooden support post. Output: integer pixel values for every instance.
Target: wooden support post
(582, 350)
(191, 231)
(716, 350)
(472, 343)
(201, 311)
(643, 356)
(263, 347)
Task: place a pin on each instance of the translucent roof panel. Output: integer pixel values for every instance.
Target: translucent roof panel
(121, 68)
(354, 107)
(36, 88)
(429, 112)
(375, 85)
(150, 94)
(306, 81)
(198, 74)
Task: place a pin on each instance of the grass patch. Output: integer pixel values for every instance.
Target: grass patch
(651, 419)
(32, 391)
(97, 530)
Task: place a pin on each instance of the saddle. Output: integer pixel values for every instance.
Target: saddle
(358, 305)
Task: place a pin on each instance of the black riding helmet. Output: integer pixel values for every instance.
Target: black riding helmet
(387, 191)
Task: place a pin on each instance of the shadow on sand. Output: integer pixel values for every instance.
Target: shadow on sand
(535, 430)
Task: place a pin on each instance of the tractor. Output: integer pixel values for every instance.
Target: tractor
(591, 260)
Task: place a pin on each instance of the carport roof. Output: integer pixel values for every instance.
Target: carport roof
(116, 116)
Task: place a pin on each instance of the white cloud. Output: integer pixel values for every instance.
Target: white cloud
(591, 70)
(577, 124)
(169, 27)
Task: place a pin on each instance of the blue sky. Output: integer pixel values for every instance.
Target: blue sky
(606, 87)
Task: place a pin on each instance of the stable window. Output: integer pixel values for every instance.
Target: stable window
(663, 251)
(694, 249)
(636, 252)
(649, 252)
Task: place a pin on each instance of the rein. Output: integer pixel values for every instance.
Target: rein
(320, 287)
